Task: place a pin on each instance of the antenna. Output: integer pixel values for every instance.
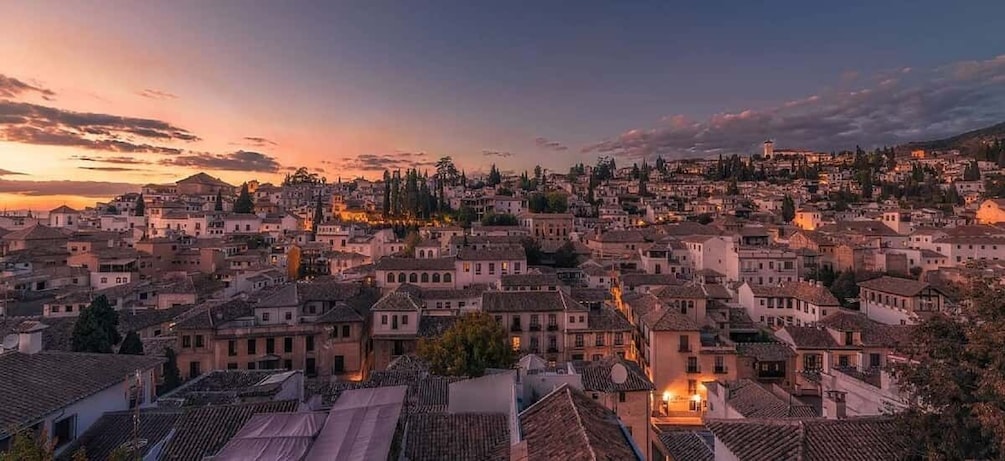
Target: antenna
(619, 374)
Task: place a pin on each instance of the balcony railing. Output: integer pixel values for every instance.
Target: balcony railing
(535, 327)
(694, 369)
(515, 328)
(553, 327)
(721, 370)
(552, 350)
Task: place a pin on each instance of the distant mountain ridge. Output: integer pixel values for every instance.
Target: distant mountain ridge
(969, 143)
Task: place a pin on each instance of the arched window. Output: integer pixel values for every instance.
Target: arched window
(422, 253)
(446, 277)
(436, 277)
(401, 277)
(390, 277)
(425, 278)
(412, 278)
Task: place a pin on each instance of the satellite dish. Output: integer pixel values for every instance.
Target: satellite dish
(619, 374)
(10, 342)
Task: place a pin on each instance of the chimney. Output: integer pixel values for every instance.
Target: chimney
(835, 405)
(29, 339)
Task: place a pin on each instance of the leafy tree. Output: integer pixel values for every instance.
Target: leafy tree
(474, 343)
(141, 207)
(172, 376)
(845, 287)
(533, 249)
(465, 216)
(566, 255)
(244, 204)
(788, 209)
(501, 219)
(131, 344)
(96, 330)
(557, 202)
(218, 206)
(954, 380)
(411, 240)
(303, 176)
(28, 445)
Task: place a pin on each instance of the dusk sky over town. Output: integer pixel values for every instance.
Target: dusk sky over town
(99, 97)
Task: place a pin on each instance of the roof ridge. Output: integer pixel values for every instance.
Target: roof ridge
(579, 422)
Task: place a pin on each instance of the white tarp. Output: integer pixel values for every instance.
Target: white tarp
(273, 436)
(360, 425)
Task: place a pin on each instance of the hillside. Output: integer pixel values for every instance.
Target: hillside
(968, 143)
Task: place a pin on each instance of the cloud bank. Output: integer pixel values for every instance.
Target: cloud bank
(900, 106)
(11, 87)
(235, 161)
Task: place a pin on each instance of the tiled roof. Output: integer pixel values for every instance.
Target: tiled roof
(203, 431)
(894, 285)
(634, 280)
(810, 337)
(680, 291)
(214, 314)
(752, 400)
(528, 301)
(463, 436)
(397, 301)
(340, 313)
(114, 429)
(686, 445)
(667, 319)
(36, 232)
(765, 352)
(853, 439)
(803, 291)
(567, 425)
(607, 319)
(867, 228)
(597, 376)
(873, 332)
(435, 325)
(620, 236)
(34, 385)
(389, 263)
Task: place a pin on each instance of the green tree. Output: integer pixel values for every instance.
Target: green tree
(474, 343)
(96, 329)
(954, 380)
(788, 209)
(218, 206)
(972, 172)
(244, 204)
(845, 287)
(500, 219)
(566, 255)
(411, 240)
(533, 250)
(319, 215)
(386, 209)
(28, 445)
(131, 344)
(141, 207)
(557, 202)
(172, 376)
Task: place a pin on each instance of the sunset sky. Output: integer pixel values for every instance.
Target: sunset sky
(99, 97)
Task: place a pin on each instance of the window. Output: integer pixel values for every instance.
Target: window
(339, 366)
(874, 360)
(413, 278)
(251, 347)
(515, 342)
(619, 338)
(232, 365)
(64, 430)
(446, 278)
(289, 315)
(270, 345)
(843, 361)
(436, 277)
(692, 365)
(692, 386)
(194, 369)
(252, 365)
(552, 320)
(231, 348)
(424, 278)
(310, 367)
(404, 319)
(390, 277)
(198, 341)
(552, 343)
(720, 364)
(401, 277)
(849, 338)
(310, 343)
(287, 345)
(685, 346)
(492, 268)
(345, 331)
(579, 340)
(186, 341)
(288, 364)
(478, 268)
(265, 316)
(621, 397)
(383, 319)
(600, 339)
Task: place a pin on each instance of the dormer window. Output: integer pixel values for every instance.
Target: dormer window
(849, 338)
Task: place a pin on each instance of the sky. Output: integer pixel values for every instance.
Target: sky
(99, 97)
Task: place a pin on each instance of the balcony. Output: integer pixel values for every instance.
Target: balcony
(720, 370)
(693, 370)
(552, 350)
(535, 327)
(515, 328)
(553, 327)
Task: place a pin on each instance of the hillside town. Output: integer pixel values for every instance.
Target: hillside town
(739, 307)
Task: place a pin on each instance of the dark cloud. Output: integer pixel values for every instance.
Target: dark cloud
(35, 124)
(258, 141)
(113, 160)
(549, 144)
(389, 161)
(11, 87)
(4, 172)
(156, 94)
(905, 105)
(78, 188)
(493, 153)
(110, 169)
(236, 161)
